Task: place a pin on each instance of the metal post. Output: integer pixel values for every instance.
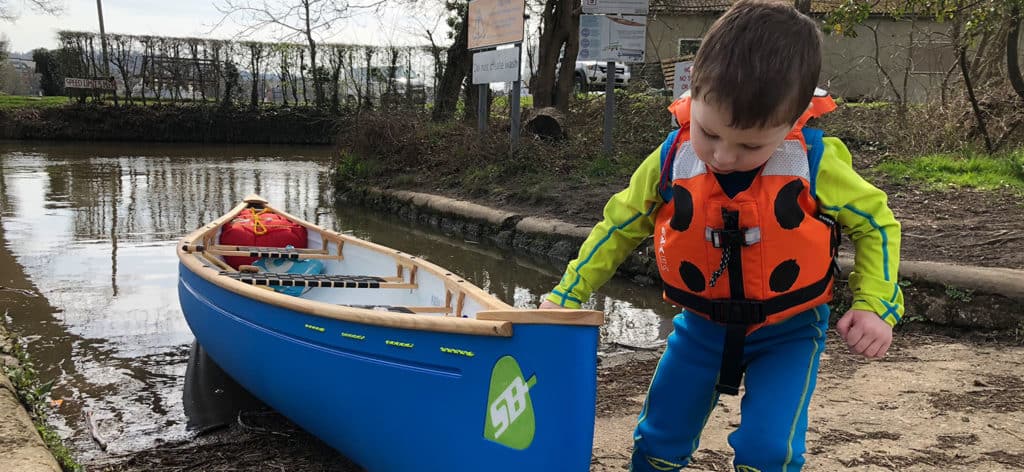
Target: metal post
(103, 38)
(515, 100)
(609, 106)
(481, 108)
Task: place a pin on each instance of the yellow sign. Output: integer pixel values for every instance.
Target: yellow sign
(495, 22)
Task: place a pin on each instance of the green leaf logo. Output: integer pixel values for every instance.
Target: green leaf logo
(510, 419)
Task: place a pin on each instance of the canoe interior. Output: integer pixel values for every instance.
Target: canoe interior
(410, 285)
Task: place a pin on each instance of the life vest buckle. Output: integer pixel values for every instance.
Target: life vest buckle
(737, 312)
(720, 238)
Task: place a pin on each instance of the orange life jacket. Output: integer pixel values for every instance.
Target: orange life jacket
(757, 258)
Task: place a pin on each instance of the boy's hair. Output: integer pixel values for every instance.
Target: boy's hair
(761, 61)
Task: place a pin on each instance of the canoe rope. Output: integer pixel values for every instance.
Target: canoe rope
(257, 225)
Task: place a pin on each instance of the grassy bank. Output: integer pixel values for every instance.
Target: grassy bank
(9, 102)
(963, 169)
(33, 393)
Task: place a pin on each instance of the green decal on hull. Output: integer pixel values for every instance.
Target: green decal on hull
(510, 419)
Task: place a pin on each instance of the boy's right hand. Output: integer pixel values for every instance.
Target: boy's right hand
(549, 305)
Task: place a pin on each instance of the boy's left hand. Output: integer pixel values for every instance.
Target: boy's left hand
(865, 333)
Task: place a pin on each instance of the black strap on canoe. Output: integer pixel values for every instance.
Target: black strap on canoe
(271, 279)
(271, 252)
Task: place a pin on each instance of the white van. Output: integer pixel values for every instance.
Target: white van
(406, 84)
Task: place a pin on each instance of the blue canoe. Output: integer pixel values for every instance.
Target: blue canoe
(395, 362)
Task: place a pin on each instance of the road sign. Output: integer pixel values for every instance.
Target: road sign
(681, 81)
(608, 38)
(495, 22)
(499, 65)
(95, 84)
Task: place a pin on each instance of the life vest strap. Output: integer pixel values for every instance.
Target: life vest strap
(747, 312)
(731, 372)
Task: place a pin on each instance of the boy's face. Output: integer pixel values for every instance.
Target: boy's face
(726, 149)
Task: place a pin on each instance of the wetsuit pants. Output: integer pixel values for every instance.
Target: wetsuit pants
(781, 363)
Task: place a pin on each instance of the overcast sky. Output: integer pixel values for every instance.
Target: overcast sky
(196, 18)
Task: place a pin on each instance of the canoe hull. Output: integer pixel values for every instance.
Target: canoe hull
(396, 399)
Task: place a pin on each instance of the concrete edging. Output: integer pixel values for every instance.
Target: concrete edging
(975, 297)
(22, 448)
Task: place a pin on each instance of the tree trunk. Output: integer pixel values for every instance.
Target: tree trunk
(318, 88)
(302, 76)
(973, 99)
(458, 65)
(560, 26)
(1012, 49)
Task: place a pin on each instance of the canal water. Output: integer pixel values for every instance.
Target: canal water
(90, 228)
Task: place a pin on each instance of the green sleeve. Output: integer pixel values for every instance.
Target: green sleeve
(628, 219)
(863, 211)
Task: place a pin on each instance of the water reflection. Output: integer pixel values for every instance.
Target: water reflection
(92, 227)
(211, 398)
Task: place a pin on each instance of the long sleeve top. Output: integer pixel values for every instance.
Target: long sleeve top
(860, 208)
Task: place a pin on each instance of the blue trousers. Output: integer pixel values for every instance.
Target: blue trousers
(781, 363)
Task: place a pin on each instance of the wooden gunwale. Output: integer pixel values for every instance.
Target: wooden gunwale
(498, 316)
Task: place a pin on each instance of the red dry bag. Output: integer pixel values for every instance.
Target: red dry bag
(260, 228)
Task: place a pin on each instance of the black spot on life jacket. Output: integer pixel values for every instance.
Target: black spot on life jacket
(784, 276)
(683, 202)
(692, 276)
(787, 206)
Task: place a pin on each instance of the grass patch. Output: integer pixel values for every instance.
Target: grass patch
(33, 393)
(502, 102)
(23, 101)
(354, 168)
(962, 170)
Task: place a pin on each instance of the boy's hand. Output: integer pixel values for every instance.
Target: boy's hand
(865, 333)
(549, 305)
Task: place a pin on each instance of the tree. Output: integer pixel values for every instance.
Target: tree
(292, 19)
(50, 7)
(559, 43)
(4, 53)
(256, 52)
(127, 64)
(51, 81)
(458, 62)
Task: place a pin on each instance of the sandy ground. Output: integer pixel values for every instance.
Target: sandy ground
(935, 403)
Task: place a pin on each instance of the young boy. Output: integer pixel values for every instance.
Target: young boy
(745, 204)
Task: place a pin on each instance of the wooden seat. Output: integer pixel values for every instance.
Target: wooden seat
(271, 279)
(270, 252)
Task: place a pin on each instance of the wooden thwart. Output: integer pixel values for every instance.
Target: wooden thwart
(271, 252)
(271, 279)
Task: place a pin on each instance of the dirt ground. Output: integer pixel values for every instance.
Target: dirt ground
(934, 403)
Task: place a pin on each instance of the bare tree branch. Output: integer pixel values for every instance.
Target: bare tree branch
(49, 7)
(290, 20)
